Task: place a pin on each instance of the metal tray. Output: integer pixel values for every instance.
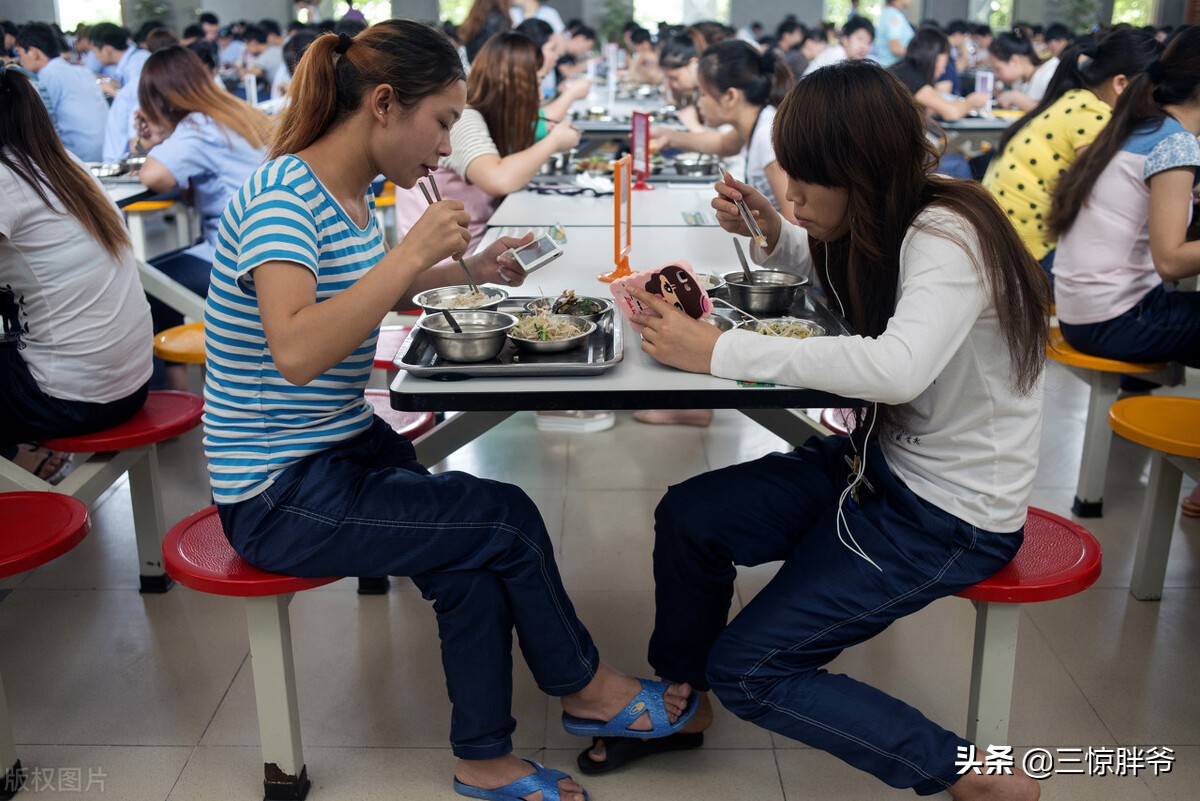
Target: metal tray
(601, 352)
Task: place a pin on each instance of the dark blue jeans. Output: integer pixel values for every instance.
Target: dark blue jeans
(476, 548)
(1163, 327)
(27, 414)
(767, 665)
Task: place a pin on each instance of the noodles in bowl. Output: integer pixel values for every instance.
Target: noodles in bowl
(550, 333)
(460, 297)
(788, 327)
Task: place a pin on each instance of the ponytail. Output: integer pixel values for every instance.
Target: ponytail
(764, 79)
(1173, 79)
(415, 59)
(1087, 64)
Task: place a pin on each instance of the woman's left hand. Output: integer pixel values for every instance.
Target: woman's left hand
(495, 265)
(674, 338)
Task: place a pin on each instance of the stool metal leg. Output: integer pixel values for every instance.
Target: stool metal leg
(992, 667)
(148, 522)
(1155, 529)
(11, 776)
(137, 234)
(183, 224)
(285, 775)
(1097, 438)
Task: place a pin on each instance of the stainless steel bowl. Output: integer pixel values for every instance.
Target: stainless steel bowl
(696, 164)
(772, 292)
(482, 336)
(812, 329)
(710, 281)
(543, 306)
(105, 169)
(557, 345)
(134, 163)
(719, 322)
(434, 300)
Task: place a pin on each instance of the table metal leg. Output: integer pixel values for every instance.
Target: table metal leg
(789, 424)
(455, 432)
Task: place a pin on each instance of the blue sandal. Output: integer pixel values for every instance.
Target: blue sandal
(648, 701)
(542, 779)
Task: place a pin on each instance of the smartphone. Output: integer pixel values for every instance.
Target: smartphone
(537, 253)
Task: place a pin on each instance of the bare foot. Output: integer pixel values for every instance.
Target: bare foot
(611, 691)
(1191, 504)
(42, 462)
(1015, 786)
(669, 417)
(702, 720)
(491, 774)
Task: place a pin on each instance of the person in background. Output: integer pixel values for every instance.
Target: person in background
(293, 51)
(930, 494)
(230, 47)
(194, 134)
(1058, 38)
(207, 53)
(192, 33)
(789, 34)
(77, 104)
(8, 38)
(979, 42)
(1121, 215)
(485, 19)
(76, 342)
(893, 33)
(494, 149)
(1021, 69)
(113, 47)
(854, 12)
(750, 33)
(550, 43)
(857, 36)
(579, 45)
(1035, 151)
(643, 60)
(353, 14)
(264, 48)
(926, 58)
(679, 59)
(958, 32)
(211, 25)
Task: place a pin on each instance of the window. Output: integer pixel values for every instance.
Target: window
(455, 10)
(89, 12)
(1135, 12)
(1000, 16)
(838, 11)
(648, 13)
(373, 10)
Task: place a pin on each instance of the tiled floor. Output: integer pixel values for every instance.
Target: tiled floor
(150, 697)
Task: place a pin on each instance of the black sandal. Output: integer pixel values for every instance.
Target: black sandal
(620, 751)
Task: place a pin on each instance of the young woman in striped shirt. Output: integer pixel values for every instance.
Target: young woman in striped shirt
(308, 482)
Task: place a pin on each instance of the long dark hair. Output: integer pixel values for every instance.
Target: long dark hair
(764, 78)
(856, 126)
(1173, 79)
(31, 149)
(175, 83)
(504, 88)
(1016, 43)
(678, 49)
(477, 18)
(1122, 50)
(923, 49)
(415, 59)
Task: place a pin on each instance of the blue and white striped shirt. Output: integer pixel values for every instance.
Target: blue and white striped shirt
(256, 423)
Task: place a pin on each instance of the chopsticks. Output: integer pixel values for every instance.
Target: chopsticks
(748, 217)
(437, 194)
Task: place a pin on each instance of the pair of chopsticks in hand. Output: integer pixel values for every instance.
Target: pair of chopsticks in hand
(431, 200)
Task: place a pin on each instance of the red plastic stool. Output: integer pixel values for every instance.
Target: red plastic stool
(198, 555)
(406, 424)
(128, 447)
(391, 337)
(1058, 558)
(38, 527)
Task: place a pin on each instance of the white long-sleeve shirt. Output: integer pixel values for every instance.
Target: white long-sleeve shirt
(968, 442)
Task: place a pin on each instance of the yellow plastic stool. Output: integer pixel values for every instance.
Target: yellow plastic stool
(1104, 378)
(135, 213)
(385, 200)
(1170, 426)
(183, 343)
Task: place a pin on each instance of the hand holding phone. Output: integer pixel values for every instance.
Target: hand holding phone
(537, 253)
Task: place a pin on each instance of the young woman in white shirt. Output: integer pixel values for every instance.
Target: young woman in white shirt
(76, 344)
(928, 496)
(1018, 65)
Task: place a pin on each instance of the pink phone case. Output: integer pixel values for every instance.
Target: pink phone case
(675, 281)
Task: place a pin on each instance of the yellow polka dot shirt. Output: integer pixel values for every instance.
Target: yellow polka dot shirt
(1022, 178)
